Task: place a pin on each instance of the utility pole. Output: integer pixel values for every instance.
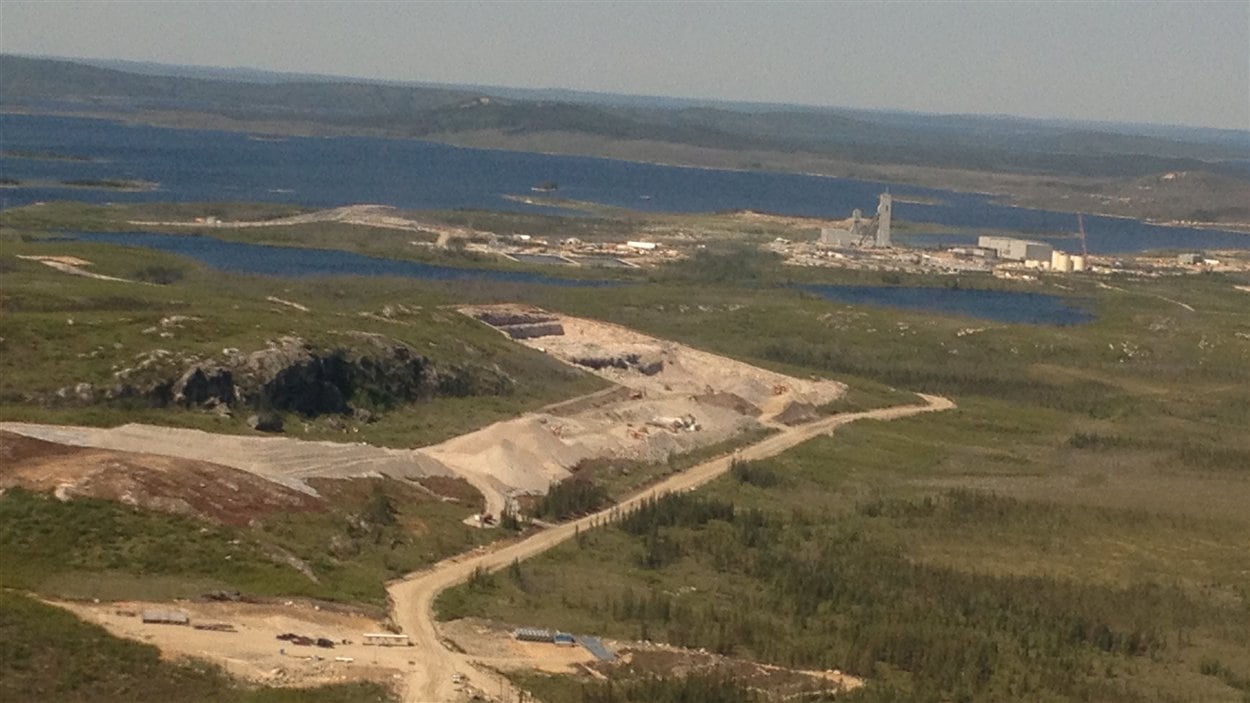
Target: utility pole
(1080, 223)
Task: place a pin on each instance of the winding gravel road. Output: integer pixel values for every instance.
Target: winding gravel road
(430, 680)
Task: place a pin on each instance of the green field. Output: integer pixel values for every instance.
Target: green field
(59, 330)
(373, 530)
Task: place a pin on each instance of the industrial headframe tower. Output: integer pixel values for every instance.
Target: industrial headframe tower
(883, 220)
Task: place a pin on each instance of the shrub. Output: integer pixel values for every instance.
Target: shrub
(160, 275)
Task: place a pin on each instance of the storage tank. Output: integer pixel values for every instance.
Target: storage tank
(1078, 262)
(1059, 261)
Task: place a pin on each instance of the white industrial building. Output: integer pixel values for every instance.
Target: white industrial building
(1018, 249)
(884, 207)
(835, 237)
(857, 234)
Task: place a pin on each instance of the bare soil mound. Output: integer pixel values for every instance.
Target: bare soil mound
(796, 413)
(182, 486)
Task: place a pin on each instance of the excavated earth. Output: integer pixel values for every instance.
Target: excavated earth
(669, 399)
(181, 486)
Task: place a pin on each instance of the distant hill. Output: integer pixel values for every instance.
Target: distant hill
(1238, 140)
(29, 82)
(991, 144)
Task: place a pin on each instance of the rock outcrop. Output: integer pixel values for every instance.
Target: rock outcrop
(365, 374)
(645, 364)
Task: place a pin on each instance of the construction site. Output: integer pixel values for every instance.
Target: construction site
(858, 242)
(867, 244)
(667, 399)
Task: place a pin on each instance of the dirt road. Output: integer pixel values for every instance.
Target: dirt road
(413, 597)
(379, 216)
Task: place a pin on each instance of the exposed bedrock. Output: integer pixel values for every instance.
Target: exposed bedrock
(366, 374)
(646, 364)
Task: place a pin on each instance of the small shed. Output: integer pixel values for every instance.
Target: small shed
(533, 634)
(563, 639)
(165, 617)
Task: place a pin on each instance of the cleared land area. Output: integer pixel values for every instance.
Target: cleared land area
(153, 481)
(494, 645)
(52, 655)
(247, 644)
(721, 397)
(413, 598)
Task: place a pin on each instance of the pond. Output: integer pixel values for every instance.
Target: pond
(242, 257)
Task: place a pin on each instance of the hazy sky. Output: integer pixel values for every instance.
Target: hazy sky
(1171, 63)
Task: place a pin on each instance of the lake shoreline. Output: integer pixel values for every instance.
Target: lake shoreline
(272, 132)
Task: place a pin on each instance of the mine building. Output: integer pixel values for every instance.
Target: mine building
(1018, 249)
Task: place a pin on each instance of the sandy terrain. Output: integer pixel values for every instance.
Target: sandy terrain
(723, 397)
(686, 373)
(493, 643)
(72, 265)
(253, 652)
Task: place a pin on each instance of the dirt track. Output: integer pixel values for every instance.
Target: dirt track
(380, 216)
(413, 597)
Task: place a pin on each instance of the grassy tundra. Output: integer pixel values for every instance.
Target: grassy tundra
(1076, 530)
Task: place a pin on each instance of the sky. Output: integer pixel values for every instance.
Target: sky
(1183, 63)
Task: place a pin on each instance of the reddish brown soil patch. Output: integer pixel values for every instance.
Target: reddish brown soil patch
(181, 486)
(15, 448)
(456, 489)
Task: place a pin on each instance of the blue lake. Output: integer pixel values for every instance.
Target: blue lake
(205, 165)
(240, 257)
(265, 260)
